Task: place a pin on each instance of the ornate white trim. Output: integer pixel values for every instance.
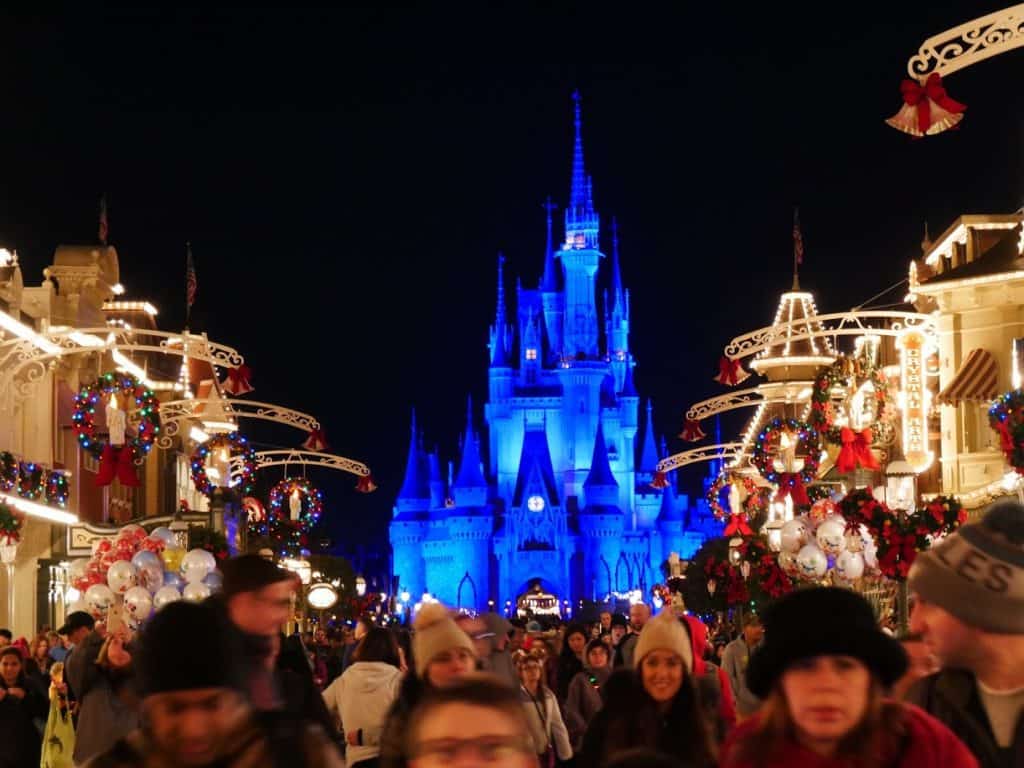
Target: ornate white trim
(310, 459)
(722, 451)
(173, 411)
(969, 43)
(790, 392)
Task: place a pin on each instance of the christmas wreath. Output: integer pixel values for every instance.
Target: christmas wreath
(8, 471)
(900, 539)
(293, 508)
(30, 481)
(237, 446)
(855, 445)
(214, 542)
(754, 503)
(1006, 417)
(714, 583)
(11, 522)
(790, 480)
(57, 489)
(147, 407)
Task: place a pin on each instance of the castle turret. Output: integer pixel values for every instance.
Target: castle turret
(470, 487)
(617, 328)
(552, 299)
(415, 492)
(600, 523)
(437, 489)
(409, 526)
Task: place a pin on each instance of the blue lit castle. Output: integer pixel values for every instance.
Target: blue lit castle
(563, 506)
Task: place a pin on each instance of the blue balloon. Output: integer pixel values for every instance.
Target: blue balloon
(214, 580)
(173, 580)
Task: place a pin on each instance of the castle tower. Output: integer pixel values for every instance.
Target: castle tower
(601, 524)
(409, 526)
(552, 299)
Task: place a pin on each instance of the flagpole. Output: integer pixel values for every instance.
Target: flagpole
(188, 264)
(797, 248)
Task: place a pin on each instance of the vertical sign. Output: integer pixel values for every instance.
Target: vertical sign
(915, 398)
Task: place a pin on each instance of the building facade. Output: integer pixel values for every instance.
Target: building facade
(555, 497)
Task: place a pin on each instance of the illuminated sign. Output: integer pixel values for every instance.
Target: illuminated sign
(915, 398)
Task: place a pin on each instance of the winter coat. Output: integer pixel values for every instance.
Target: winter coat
(927, 743)
(262, 741)
(584, 701)
(392, 742)
(107, 709)
(712, 682)
(361, 697)
(20, 739)
(735, 659)
(624, 651)
(569, 666)
(952, 697)
(547, 729)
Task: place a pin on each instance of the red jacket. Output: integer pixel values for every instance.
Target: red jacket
(699, 641)
(928, 744)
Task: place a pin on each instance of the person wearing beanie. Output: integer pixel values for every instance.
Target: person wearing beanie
(195, 712)
(735, 659)
(655, 705)
(498, 660)
(586, 691)
(969, 611)
(442, 655)
(822, 671)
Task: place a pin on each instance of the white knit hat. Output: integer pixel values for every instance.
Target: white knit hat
(435, 633)
(664, 633)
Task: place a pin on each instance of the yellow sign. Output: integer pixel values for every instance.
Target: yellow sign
(915, 398)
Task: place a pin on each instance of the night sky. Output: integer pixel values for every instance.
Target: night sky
(347, 178)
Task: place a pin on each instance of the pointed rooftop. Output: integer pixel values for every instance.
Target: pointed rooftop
(535, 467)
(671, 511)
(549, 280)
(600, 488)
(618, 304)
(470, 472)
(794, 345)
(581, 220)
(416, 485)
(649, 452)
(499, 356)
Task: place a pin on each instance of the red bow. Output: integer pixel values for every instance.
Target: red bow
(730, 372)
(660, 481)
(1005, 438)
(238, 381)
(792, 484)
(856, 450)
(737, 525)
(119, 464)
(366, 484)
(922, 96)
(899, 556)
(692, 432)
(316, 440)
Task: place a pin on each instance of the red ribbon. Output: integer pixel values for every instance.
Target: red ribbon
(730, 372)
(856, 450)
(916, 95)
(238, 380)
(691, 431)
(660, 480)
(316, 440)
(792, 484)
(900, 556)
(737, 525)
(366, 484)
(119, 464)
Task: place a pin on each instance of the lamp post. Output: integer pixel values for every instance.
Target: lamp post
(901, 496)
(179, 528)
(360, 586)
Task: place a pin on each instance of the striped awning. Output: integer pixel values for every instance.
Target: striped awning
(976, 380)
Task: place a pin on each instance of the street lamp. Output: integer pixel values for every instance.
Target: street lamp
(360, 586)
(179, 528)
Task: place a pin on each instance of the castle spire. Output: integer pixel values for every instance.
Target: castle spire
(416, 483)
(470, 472)
(649, 454)
(618, 295)
(499, 355)
(600, 474)
(581, 221)
(549, 281)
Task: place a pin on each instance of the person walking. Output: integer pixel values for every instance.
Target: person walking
(639, 615)
(822, 673)
(547, 730)
(712, 682)
(363, 694)
(735, 659)
(20, 705)
(653, 706)
(969, 611)
(586, 691)
(570, 660)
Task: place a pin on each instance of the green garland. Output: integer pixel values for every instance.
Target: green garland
(807, 435)
(844, 373)
(1006, 417)
(11, 522)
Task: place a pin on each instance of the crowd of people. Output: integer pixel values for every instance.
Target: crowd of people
(817, 682)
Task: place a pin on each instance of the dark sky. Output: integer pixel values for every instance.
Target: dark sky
(347, 177)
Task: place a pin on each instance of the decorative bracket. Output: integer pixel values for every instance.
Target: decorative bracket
(722, 451)
(783, 392)
(969, 43)
(310, 459)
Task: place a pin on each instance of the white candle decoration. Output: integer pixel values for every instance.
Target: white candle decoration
(295, 504)
(116, 421)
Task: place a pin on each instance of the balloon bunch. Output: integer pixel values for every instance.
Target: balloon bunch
(144, 572)
(822, 543)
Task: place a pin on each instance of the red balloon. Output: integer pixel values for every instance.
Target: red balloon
(103, 546)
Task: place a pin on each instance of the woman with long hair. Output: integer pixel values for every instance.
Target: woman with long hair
(822, 671)
(442, 655)
(364, 693)
(38, 663)
(547, 729)
(570, 660)
(20, 705)
(655, 705)
(586, 691)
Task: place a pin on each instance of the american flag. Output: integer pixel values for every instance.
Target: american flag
(191, 283)
(798, 238)
(103, 220)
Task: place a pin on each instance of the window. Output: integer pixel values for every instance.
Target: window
(535, 503)
(531, 353)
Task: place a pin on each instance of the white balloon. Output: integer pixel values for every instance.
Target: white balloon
(831, 535)
(195, 592)
(850, 565)
(138, 603)
(812, 562)
(794, 535)
(151, 569)
(122, 576)
(99, 597)
(78, 569)
(165, 596)
(78, 605)
(163, 533)
(197, 564)
(787, 562)
(870, 553)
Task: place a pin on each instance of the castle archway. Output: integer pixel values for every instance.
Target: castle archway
(538, 599)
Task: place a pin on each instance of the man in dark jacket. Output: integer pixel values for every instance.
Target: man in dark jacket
(970, 612)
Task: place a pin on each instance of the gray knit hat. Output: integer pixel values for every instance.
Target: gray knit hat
(977, 573)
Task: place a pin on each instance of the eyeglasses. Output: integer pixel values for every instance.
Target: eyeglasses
(493, 749)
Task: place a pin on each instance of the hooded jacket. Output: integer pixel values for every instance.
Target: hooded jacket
(712, 681)
(362, 697)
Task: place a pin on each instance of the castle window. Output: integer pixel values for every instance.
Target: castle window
(531, 353)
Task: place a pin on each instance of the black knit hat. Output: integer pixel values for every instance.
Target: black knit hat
(249, 573)
(822, 621)
(186, 647)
